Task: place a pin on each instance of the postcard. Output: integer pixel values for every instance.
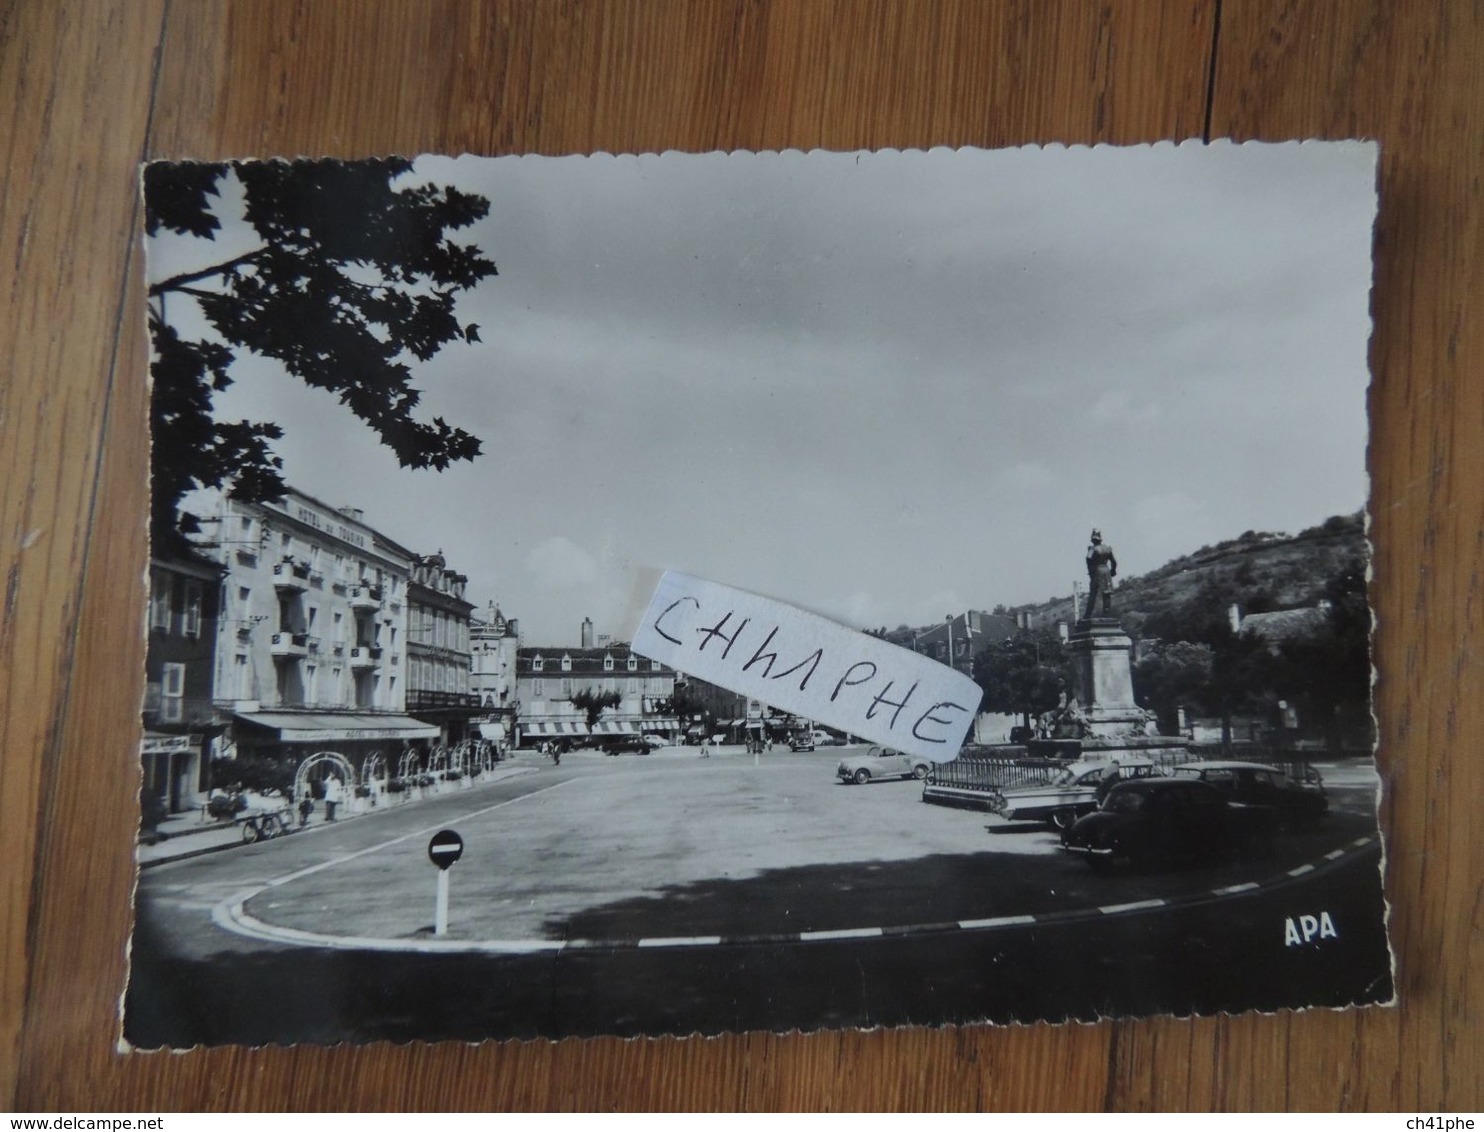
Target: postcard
(700, 593)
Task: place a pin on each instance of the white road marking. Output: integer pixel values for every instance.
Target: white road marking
(1233, 889)
(417, 834)
(1137, 905)
(232, 915)
(843, 933)
(996, 922)
(681, 941)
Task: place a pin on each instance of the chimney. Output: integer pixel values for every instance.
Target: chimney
(587, 632)
(1234, 615)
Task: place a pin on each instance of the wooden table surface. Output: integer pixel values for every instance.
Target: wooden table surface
(94, 87)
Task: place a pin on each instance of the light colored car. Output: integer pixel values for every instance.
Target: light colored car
(1072, 792)
(880, 762)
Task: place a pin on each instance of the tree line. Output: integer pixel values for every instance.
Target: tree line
(1190, 658)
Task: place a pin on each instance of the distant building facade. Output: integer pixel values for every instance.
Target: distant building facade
(956, 640)
(493, 641)
(547, 676)
(180, 716)
(438, 649)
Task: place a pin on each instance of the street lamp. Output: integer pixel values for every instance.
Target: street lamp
(948, 620)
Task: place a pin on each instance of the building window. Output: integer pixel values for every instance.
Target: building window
(538, 687)
(191, 626)
(633, 664)
(566, 663)
(607, 662)
(172, 693)
(538, 664)
(159, 603)
(566, 687)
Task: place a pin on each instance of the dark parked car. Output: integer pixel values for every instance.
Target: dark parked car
(618, 744)
(803, 742)
(1155, 821)
(1256, 784)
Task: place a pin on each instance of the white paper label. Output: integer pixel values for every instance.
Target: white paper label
(808, 665)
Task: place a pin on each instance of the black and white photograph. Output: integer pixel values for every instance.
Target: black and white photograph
(1085, 427)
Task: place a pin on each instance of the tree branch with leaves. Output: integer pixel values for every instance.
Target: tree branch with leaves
(593, 703)
(353, 280)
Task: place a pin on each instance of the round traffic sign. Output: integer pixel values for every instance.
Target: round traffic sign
(445, 848)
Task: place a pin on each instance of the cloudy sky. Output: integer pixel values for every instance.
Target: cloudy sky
(885, 387)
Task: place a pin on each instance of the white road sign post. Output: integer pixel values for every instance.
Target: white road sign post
(444, 849)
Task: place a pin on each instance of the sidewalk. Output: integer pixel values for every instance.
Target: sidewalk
(186, 835)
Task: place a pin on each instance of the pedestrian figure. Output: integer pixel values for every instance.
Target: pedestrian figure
(705, 748)
(1109, 780)
(334, 794)
(306, 807)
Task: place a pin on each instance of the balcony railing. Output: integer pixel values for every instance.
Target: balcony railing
(426, 698)
(364, 656)
(363, 595)
(290, 576)
(290, 644)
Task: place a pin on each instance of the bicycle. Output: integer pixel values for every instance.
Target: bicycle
(263, 827)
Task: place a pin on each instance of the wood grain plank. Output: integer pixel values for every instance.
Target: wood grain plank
(76, 87)
(1408, 76)
(297, 77)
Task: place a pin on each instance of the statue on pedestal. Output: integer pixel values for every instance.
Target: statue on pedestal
(1102, 568)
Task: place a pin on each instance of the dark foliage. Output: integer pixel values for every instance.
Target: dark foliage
(594, 703)
(353, 279)
(1023, 675)
(262, 774)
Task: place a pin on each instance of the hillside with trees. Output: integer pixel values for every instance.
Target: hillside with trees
(1190, 657)
(1257, 571)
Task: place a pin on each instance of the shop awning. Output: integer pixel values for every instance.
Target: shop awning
(558, 728)
(325, 727)
(615, 727)
(490, 730)
(156, 744)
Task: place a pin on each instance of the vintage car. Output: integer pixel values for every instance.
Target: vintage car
(618, 744)
(1257, 784)
(1167, 820)
(1072, 792)
(880, 762)
(801, 742)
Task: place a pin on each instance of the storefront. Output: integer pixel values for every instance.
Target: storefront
(364, 748)
(172, 771)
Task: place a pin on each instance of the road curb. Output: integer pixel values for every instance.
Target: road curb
(232, 915)
(238, 843)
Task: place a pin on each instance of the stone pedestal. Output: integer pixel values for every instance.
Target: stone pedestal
(1102, 679)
